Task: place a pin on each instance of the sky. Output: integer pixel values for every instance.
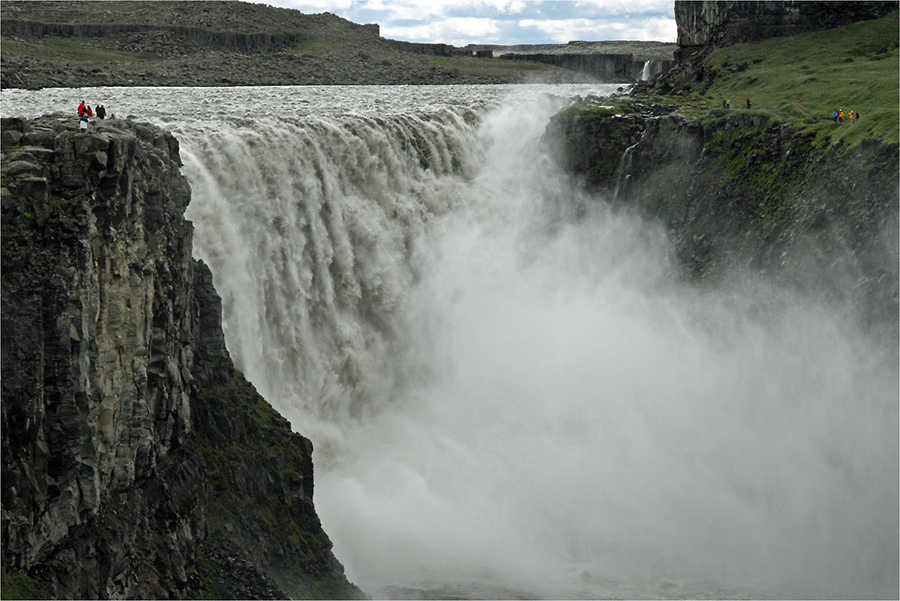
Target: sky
(461, 22)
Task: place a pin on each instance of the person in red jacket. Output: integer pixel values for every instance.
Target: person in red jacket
(81, 108)
(90, 113)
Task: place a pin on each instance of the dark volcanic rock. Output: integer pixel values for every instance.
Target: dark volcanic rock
(112, 356)
(737, 189)
(715, 23)
(96, 346)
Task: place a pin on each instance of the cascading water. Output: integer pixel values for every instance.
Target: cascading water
(312, 225)
(646, 72)
(511, 392)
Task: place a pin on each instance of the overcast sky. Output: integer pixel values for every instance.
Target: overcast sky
(461, 22)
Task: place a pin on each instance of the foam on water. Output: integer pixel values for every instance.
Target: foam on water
(511, 391)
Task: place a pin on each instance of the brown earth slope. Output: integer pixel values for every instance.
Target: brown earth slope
(75, 44)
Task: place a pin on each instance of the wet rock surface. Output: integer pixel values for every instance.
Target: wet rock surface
(744, 188)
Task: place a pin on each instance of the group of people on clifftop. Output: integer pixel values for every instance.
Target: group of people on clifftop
(85, 112)
(839, 115)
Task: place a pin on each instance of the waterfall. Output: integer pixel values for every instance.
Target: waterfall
(310, 228)
(646, 73)
(511, 392)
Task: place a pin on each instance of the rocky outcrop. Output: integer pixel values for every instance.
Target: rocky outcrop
(604, 67)
(228, 40)
(745, 188)
(112, 351)
(715, 23)
(96, 358)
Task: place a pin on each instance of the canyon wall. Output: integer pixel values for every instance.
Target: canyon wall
(739, 189)
(603, 67)
(230, 40)
(714, 23)
(137, 462)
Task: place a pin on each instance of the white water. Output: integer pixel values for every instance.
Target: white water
(510, 391)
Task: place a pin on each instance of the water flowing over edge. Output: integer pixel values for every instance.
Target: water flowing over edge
(510, 390)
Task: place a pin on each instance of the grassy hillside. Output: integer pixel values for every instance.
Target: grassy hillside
(804, 78)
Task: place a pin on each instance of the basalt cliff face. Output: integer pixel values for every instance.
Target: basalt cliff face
(137, 462)
(789, 191)
(714, 23)
(746, 190)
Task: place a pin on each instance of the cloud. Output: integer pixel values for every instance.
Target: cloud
(561, 31)
(455, 31)
(461, 22)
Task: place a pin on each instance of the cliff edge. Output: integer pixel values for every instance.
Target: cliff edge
(137, 462)
(753, 161)
(715, 23)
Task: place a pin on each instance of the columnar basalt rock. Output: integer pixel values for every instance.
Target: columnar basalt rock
(96, 322)
(715, 23)
(111, 335)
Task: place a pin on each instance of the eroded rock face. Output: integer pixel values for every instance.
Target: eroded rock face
(137, 462)
(738, 188)
(725, 22)
(97, 356)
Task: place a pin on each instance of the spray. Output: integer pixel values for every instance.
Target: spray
(512, 393)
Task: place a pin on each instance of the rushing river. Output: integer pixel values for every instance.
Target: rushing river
(510, 390)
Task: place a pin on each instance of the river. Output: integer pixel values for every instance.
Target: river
(511, 391)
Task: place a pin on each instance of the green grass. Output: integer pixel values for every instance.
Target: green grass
(315, 47)
(808, 76)
(16, 585)
(72, 50)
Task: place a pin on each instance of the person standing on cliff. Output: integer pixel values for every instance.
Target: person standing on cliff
(835, 115)
(101, 112)
(748, 103)
(81, 108)
(83, 123)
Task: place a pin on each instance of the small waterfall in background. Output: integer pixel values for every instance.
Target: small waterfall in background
(647, 73)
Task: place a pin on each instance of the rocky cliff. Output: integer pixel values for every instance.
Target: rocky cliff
(714, 23)
(744, 188)
(602, 67)
(136, 461)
